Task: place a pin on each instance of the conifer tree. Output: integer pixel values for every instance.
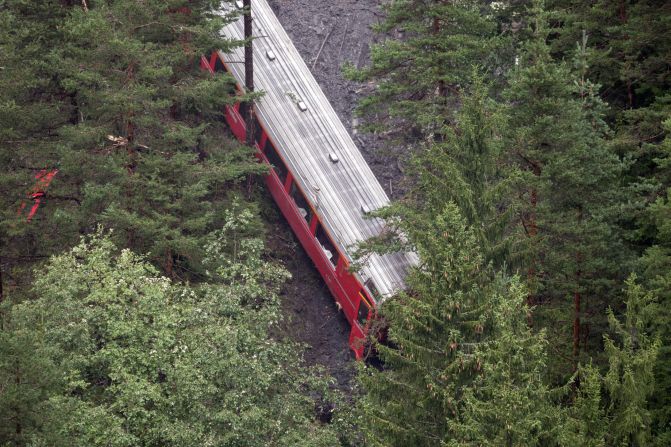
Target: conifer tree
(629, 382)
(614, 407)
(629, 53)
(572, 255)
(656, 270)
(426, 61)
(508, 403)
(628, 57)
(111, 95)
(29, 114)
(459, 346)
(437, 58)
(467, 167)
(586, 423)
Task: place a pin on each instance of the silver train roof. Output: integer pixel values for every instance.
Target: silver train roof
(308, 134)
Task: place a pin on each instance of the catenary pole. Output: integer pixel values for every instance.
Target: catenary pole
(249, 71)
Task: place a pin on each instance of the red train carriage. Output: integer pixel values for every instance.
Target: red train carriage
(319, 179)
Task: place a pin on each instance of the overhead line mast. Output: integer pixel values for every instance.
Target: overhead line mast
(249, 71)
(307, 148)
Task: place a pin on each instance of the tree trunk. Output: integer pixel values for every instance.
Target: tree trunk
(18, 428)
(576, 323)
(169, 263)
(624, 18)
(2, 295)
(129, 128)
(577, 302)
(442, 89)
(532, 233)
(249, 85)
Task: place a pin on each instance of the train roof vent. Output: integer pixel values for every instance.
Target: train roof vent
(334, 157)
(365, 209)
(302, 106)
(271, 55)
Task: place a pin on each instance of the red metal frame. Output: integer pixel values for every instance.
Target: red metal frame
(345, 286)
(38, 191)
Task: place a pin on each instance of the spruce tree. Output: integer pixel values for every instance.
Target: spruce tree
(572, 256)
(615, 407)
(111, 95)
(655, 265)
(30, 113)
(629, 52)
(459, 347)
(508, 403)
(586, 423)
(437, 58)
(425, 62)
(467, 167)
(629, 382)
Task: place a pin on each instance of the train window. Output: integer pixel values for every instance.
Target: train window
(328, 247)
(301, 203)
(364, 309)
(268, 146)
(219, 66)
(372, 289)
(276, 162)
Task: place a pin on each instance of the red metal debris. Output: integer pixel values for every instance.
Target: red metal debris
(38, 191)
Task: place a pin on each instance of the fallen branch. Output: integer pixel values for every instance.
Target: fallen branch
(343, 39)
(321, 48)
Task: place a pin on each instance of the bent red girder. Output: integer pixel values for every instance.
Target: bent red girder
(38, 191)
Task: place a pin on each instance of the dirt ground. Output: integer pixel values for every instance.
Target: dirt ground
(337, 31)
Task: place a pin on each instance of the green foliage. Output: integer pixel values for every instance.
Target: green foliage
(460, 349)
(467, 168)
(629, 50)
(630, 380)
(508, 403)
(27, 377)
(628, 57)
(520, 161)
(419, 73)
(112, 96)
(613, 409)
(586, 424)
(538, 164)
(572, 252)
(134, 359)
(656, 271)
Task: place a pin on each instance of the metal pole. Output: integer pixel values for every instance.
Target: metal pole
(249, 72)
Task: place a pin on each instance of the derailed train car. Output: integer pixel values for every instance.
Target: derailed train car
(319, 179)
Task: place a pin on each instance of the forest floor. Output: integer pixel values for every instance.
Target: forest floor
(337, 31)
